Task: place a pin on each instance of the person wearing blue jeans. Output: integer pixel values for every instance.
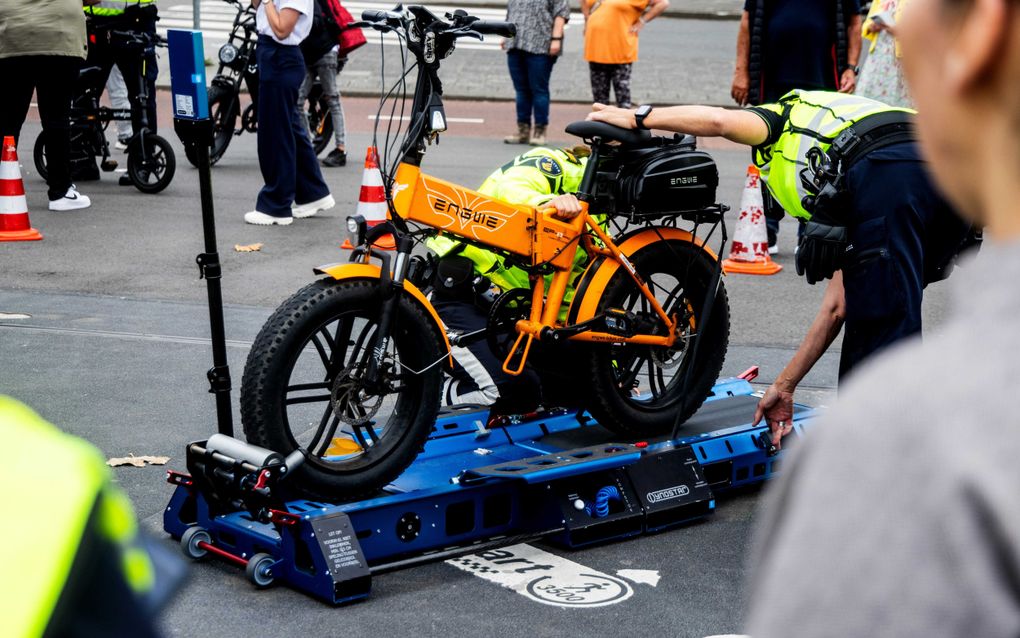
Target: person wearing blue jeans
(293, 182)
(531, 55)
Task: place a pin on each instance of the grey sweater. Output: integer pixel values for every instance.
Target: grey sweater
(900, 513)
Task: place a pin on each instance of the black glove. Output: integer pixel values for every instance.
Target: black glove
(821, 250)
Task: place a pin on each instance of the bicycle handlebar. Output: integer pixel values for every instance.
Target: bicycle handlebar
(494, 27)
(372, 15)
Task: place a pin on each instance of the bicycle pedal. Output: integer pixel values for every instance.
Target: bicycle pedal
(108, 166)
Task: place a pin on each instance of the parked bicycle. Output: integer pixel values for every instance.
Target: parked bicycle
(350, 368)
(238, 68)
(151, 162)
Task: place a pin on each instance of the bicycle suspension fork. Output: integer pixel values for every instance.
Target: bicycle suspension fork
(391, 300)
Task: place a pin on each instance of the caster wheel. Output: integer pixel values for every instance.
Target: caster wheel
(190, 540)
(260, 570)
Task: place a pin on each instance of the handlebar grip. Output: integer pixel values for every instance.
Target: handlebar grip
(373, 15)
(494, 27)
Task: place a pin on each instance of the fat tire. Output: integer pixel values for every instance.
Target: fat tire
(275, 351)
(224, 107)
(136, 171)
(627, 417)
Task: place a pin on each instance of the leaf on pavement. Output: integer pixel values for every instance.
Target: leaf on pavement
(138, 461)
(250, 248)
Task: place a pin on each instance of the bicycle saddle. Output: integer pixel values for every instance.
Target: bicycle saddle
(608, 133)
(88, 71)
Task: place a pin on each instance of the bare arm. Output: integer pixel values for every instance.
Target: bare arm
(556, 45)
(281, 22)
(777, 404)
(742, 127)
(654, 9)
(848, 81)
(741, 74)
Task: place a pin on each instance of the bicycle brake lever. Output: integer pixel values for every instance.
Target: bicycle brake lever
(471, 34)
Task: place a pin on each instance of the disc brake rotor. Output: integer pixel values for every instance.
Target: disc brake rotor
(352, 404)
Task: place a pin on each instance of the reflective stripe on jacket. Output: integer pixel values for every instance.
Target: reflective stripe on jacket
(114, 7)
(800, 121)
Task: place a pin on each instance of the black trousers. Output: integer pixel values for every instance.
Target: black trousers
(288, 162)
(53, 79)
(135, 65)
(903, 236)
(478, 376)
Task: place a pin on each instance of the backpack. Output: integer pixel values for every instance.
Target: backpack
(337, 17)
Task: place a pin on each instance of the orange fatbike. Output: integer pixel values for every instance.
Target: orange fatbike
(350, 368)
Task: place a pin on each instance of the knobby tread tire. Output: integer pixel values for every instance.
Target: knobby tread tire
(627, 417)
(272, 356)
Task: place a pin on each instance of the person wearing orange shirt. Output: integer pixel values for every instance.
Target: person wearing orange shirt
(611, 29)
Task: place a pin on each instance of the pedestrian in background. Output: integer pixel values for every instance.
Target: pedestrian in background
(611, 29)
(294, 186)
(881, 73)
(530, 55)
(117, 91)
(784, 45)
(900, 514)
(41, 49)
(321, 52)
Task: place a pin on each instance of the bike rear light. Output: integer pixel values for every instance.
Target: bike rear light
(228, 53)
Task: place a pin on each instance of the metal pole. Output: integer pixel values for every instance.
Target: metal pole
(196, 15)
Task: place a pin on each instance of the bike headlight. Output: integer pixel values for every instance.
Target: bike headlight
(228, 53)
(356, 227)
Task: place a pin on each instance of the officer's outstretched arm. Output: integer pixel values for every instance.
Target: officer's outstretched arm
(742, 127)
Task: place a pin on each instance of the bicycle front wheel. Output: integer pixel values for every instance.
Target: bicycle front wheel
(304, 386)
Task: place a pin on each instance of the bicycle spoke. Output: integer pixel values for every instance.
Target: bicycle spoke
(328, 412)
(328, 439)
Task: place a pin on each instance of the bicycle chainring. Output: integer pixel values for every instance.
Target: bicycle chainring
(508, 308)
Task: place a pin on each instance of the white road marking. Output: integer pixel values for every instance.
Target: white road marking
(14, 315)
(643, 576)
(545, 578)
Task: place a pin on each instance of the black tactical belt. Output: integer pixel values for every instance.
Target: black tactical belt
(872, 133)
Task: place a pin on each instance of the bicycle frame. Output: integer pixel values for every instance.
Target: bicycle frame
(530, 237)
(526, 233)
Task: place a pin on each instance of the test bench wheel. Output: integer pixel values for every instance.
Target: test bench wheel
(260, 570)
(190, 540)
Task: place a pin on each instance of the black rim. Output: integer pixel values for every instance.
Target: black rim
(326, 408)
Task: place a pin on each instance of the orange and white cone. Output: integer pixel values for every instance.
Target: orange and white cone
(372, 200)
(14, 224)
(750, 252)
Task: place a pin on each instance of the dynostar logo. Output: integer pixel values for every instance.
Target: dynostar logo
(668, 494)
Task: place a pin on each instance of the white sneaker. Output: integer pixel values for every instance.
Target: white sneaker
(72, 200)
(311, 208)
(121, 145)
(261, 219)
(774, 249)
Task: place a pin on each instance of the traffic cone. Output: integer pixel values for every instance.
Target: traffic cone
(750, 252)
(14, 224)
(372, 200)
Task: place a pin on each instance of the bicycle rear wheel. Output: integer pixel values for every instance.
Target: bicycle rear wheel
(640, 390)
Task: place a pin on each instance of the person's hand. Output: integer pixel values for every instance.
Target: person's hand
(624, 118)
(637, 26)
(503, 44)
(555, 46)
(741, 87)
(567, 206)
(848, 82)
(777, 409)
